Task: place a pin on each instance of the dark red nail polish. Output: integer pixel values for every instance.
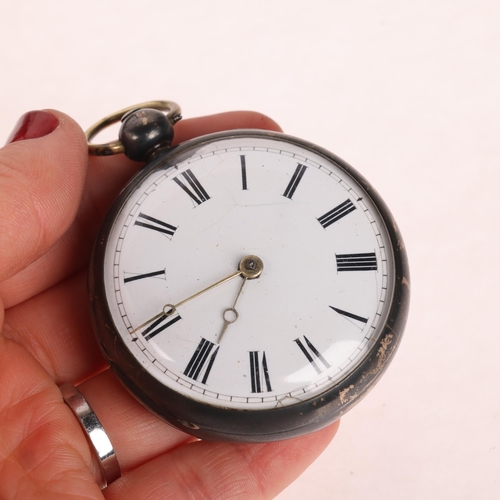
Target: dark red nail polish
(32, 125)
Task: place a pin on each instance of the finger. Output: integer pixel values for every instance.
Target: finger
(41, 181)
(139, 438)
(137, 435)
(106, 178)
(202, 470)
(42, 448)
(187, 129)
(55, 328)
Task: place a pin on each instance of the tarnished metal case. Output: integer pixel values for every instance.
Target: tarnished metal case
(228, 424)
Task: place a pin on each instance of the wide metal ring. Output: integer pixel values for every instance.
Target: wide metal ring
(116, 147)
(96, 435)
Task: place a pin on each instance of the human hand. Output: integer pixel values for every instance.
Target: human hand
(52, 200)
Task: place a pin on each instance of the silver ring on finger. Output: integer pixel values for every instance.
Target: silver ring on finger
(96, 435)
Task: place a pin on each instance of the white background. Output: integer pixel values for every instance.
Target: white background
(408, 93)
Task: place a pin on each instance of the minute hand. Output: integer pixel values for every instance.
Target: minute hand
(169, 309)
(250, 267)
(220, 282)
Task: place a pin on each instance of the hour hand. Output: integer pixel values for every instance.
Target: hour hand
(250, 267)
(230, 315)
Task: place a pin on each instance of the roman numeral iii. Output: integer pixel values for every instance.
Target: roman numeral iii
(356, 262)
(336, 213)
(259, 374)
(198, 193)
(201, 362)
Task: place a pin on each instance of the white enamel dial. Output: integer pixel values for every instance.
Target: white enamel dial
(300, 327)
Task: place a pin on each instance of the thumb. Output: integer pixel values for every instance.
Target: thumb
(42, 173)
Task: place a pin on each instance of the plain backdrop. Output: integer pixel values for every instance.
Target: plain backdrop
(408, 93)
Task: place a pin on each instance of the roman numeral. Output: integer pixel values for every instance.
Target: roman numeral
(142, 276)
(296, 178)
(336, 213)
(198, 193)
(258, 372)
(162, 323)
(155, 224)
(200, 363)
(350, 315)
(356, 262)
(243, 173)
(318, 362)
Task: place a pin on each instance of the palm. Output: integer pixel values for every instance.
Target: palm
(47, 340)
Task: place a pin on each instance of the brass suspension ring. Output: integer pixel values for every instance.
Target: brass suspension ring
(116, 147)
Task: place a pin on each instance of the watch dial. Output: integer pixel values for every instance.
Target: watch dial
(272, 339)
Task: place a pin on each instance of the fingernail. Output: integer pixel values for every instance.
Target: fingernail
(32, 125)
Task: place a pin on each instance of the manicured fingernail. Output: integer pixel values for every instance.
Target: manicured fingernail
(32, 125)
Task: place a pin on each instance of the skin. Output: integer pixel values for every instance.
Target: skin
(52, 200)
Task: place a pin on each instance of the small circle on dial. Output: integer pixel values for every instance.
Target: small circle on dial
(230, 315)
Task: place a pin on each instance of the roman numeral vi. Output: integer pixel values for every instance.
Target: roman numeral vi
(259, 374)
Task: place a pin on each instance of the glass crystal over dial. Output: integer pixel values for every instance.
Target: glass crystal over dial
(248, 272)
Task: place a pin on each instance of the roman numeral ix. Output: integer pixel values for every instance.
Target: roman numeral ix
(356, 262)
(200, 363)
(149, 222)
(198, 193)
(259, 374)
(294, 182)
(336, 213)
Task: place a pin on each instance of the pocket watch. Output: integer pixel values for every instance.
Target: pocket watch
(245, 285)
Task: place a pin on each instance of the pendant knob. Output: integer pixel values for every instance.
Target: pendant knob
(145, 131)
